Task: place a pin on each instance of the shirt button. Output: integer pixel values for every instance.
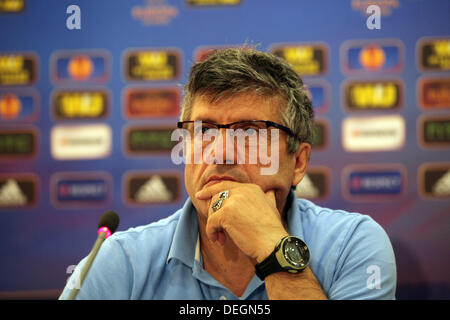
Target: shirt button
(223, 298)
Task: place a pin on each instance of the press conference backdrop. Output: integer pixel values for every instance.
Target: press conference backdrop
(89, 96)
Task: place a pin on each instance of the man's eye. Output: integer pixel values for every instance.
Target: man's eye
(205, 129)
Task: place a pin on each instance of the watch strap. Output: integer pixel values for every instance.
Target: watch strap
(268, 266)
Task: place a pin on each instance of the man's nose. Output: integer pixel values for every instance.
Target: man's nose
(224, 148)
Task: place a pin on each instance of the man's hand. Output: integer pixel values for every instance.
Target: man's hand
(249, 216)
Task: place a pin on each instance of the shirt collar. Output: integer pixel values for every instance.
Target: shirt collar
(186, 245)
(184, 241)
(294, 217)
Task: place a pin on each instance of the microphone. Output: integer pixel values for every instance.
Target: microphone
(107, 225)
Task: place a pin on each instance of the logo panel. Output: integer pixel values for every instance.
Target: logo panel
(18, 105)
(17, 144)
(147, 140)
(376, 56)
(147, 188)
(434, 180)
(373, 95)
(81, 142)
(373, 182)
(434, 54)
(315, 184)
(80, 189)
(434, 93)
(305, 59)
(434, 131)
(89, 66)
(152, 65)
(77, 104)
(382, 133)
(12, 6)
(142, 103)
(18, 190)
(17, 69)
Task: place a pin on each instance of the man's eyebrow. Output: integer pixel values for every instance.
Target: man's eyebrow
(206, 119)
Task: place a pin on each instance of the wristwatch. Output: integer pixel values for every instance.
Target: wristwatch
(291, 254)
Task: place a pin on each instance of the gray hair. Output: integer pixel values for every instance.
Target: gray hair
(236, 70)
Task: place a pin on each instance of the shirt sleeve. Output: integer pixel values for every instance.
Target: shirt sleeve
(110, 276)
(365, 268)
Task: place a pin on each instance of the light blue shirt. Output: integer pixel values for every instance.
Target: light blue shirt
(351, 257)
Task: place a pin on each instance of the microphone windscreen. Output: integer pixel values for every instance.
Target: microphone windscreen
(109, 219)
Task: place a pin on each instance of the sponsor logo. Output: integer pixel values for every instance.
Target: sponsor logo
(315, 184)
(18, 190)
(204, 3)
(385, 6)
(80, 189)
(434, 180)
(434, 131)
(18, 144)
(80, 104)
(306, 59)
(319, 93)
(373, 95)
(144, 140)
(154, 12)
(379, 56)
(80, 142)
(434, 54)
(145, 188)
(17, 69)
(151, 102)
(152, 65)
(368, 183)
(12, 6)
(90, 66)
(320, 135)
(434, 93)
(384, 133)
(18, 105)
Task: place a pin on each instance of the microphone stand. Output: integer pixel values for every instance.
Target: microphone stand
(101, 237)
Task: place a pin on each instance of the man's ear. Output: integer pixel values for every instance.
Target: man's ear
(301, 162)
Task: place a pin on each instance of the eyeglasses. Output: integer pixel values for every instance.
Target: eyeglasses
(249, 127)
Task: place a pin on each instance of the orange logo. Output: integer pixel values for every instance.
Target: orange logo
(10, 106)
(80, 67)
(372, 57)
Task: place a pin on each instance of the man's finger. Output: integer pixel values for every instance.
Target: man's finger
(214, 230)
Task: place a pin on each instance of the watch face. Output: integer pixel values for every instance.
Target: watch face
(296, 252)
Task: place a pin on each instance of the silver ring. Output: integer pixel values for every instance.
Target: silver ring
(218, 204)
(224, 194)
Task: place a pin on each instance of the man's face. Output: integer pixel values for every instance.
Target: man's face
(244, 106)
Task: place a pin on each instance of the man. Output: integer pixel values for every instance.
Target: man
(242, 233)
